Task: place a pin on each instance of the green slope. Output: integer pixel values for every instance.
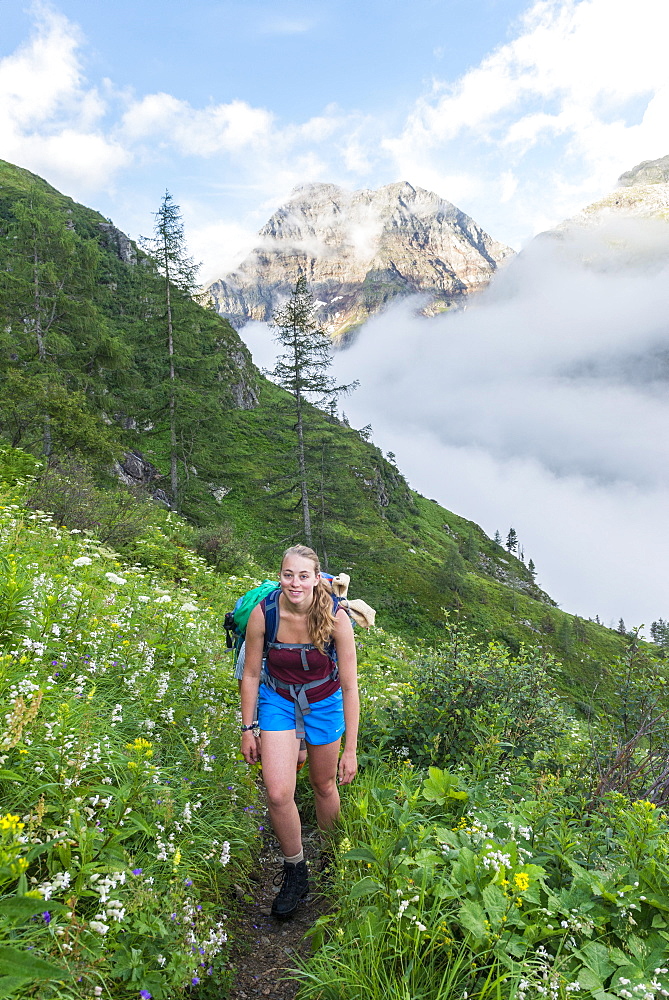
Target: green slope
(394, 542)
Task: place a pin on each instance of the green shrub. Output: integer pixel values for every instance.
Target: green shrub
(456, 700)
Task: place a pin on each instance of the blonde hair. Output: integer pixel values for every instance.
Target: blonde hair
(320, 619)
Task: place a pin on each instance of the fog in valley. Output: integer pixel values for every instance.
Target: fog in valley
(544, 405)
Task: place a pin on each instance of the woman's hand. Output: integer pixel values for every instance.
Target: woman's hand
(348, 766)
(250, 747)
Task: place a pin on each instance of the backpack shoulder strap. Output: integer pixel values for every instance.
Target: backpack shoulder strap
(270, 608)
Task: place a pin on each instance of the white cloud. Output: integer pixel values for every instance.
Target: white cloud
(50, 119)
(561, 105)
(286, 25)
(542, 406)
(233, 127)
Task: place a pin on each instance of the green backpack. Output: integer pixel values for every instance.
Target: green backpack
(235, 621)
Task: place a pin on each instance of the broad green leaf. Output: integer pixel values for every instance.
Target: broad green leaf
(21, 963)
(596, 957)
(495, 902)
(11, 775)
(361, 854)
(365, 887)
(10, 984)
(22, 907)
(472, 917)
(589, 980)
(140, 823)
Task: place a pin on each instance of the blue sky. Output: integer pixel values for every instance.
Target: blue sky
(520, 113)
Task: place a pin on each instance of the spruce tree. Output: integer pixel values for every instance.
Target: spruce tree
(452, 574)
(167, 249)
(302, 369)
(512, 540)
(53, 339)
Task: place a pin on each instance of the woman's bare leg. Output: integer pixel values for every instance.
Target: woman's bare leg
(323, 762)
(279, 759)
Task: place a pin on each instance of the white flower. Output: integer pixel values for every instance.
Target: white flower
(163, 599)
(99, 926)
(83, 561)
(113, 578)
(189, 607)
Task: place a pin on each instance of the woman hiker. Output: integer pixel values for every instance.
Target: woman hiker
(311, 688)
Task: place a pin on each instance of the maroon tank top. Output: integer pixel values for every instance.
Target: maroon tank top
(286, 665)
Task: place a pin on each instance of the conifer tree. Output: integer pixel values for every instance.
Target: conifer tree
(302, 369)
(53, 339)
(167, 249)
(512, 540)
(468, 546)
(452, 574)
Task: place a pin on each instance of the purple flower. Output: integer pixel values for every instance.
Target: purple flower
(145, 995)
(46, 917)
(195, 980)
(135, 871)
(188, 881)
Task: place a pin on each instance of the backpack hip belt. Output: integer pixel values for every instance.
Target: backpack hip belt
(298, 692)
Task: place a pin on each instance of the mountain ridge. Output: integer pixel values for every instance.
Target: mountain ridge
(360, 250)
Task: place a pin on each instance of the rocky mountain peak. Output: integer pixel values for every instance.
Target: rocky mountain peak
(648, 172)
(642, 193)
(360, 250)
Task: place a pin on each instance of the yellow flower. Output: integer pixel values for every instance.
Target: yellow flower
(521, 880)
(177, 857)
(11, 823)
(139, 744)
(132, 764)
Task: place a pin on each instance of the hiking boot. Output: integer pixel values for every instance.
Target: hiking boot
(294, 887)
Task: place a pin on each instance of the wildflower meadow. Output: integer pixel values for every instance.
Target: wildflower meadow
(127, 814)
(498, 842)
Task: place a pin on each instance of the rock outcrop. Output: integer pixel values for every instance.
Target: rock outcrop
(360, 250)
(120, 244)
(642, 193)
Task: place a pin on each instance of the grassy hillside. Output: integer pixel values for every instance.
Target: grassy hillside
(423, 567)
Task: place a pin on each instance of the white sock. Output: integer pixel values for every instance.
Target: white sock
(295, 860)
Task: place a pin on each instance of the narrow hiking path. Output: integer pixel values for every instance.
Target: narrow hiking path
(265, 950)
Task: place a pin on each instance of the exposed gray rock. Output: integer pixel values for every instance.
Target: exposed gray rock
(118, 243)
(360, 250)
(137, 470)
(648, 172)
(244, 391)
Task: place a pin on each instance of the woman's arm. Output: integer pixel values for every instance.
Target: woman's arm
(348, 676)
(255, 639)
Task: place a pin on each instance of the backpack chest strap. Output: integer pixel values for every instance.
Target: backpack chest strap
(304, 648)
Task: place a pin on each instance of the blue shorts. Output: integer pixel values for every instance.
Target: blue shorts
(323, 724)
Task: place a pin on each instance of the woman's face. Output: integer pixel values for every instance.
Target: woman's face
(298, 579)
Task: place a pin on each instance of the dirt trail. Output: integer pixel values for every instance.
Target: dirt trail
(266, 950)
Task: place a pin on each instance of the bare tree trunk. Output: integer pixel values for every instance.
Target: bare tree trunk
(174, 476)
(306, 515)
(41, 349)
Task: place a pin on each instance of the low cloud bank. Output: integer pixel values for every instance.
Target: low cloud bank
(543, 406)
